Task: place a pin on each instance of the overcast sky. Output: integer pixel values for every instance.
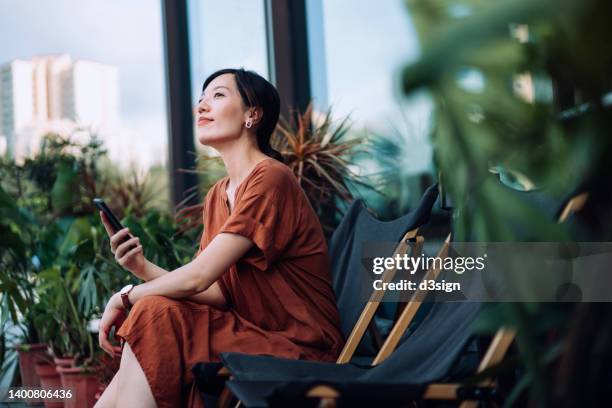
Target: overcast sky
(122, 33)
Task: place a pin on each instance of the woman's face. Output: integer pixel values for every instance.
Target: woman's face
(221, 114)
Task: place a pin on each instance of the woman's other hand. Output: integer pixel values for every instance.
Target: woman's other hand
(114, 315)
(126, 248)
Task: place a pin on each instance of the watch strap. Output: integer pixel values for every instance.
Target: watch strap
(125, 298)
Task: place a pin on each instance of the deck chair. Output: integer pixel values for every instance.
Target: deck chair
(409, 375)
(356, 315)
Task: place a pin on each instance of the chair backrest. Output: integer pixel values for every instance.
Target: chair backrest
(358, 227)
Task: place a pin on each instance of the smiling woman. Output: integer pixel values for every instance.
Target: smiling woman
(228, 92)
(260, 282)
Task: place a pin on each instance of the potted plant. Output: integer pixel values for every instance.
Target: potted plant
(58, 269)
(29, 355)
(17, 282)
(71, 343)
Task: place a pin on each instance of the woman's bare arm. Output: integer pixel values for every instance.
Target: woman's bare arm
(211, 296)
(150, 271)
(199, 276)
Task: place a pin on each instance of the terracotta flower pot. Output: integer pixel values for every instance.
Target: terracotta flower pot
(83, 383)
(63, 361)
(49, 378)
(29, 354)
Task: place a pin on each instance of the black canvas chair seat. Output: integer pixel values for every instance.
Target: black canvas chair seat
(356, 394)
(428, 355)
(353, 394)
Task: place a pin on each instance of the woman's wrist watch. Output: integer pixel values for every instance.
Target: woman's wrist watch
(125, 292)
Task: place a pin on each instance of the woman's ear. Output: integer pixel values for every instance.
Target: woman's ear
(255, 114)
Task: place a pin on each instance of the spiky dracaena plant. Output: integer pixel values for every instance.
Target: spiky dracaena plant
(322, 156)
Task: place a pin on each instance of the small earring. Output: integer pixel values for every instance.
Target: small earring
(248, 124)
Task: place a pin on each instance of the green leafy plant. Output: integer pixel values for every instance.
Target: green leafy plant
(64, 175)
(64, 325)
(132, 193)
(57, 268)
(16, 284)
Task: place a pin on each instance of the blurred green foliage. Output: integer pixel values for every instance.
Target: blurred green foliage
(520, 92)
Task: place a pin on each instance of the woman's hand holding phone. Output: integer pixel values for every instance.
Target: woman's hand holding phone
(126, 247)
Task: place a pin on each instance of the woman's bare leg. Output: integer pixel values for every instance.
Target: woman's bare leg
(133, 388)
(108, 399)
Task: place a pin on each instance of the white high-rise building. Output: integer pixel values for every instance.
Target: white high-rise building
(91, 94)
(55, 94)
(16, 100)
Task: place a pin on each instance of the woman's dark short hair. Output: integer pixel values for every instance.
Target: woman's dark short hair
(256, 91)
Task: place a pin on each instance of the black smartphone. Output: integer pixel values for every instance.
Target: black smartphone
(115, 224)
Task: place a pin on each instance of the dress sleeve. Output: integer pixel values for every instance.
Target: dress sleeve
(262, 215)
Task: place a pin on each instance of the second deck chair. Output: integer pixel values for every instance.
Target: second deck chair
(356, 314)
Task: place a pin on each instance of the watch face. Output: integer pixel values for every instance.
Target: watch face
(126, 289)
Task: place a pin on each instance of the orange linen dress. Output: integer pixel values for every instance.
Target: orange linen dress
(279, 295)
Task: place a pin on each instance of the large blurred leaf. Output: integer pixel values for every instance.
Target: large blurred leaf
(64, 189)
(450, 43)
(78, 232)
(9, 240)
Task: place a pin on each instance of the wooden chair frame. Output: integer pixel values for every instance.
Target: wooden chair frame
(367, 315)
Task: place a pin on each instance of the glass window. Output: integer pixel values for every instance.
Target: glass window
(225, 34)
(366, 46)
